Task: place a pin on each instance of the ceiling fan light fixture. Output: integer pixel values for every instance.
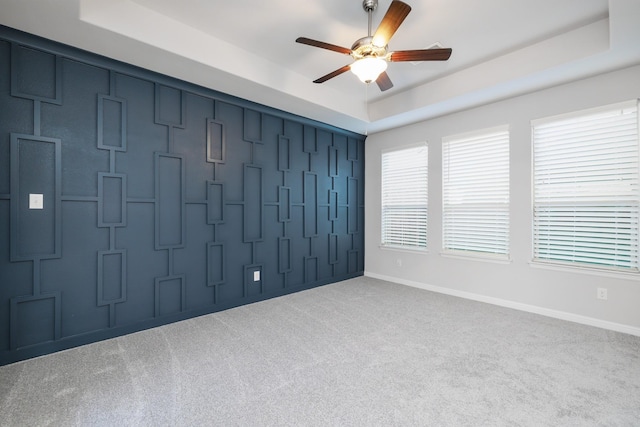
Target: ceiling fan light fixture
(369, 68)
(371, 54)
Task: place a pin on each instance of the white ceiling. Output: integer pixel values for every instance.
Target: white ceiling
(247, 48)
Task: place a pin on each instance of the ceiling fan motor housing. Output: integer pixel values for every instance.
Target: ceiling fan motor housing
(369, 5)
(364, 47)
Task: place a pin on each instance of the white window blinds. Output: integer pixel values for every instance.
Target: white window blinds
(476, 193)
(586, 188)
(404, 198)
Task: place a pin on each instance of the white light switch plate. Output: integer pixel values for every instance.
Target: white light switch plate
(36, 201)
(256, 276)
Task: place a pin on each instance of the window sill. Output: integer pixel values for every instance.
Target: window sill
(420, 251)
(617, 274)
(496, 259)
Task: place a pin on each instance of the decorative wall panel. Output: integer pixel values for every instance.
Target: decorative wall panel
(36, 75)
(112, 123)
(34, 320)
(215, 264)
(333, 248)
(216, 146)
(162, 200)
(252, 126)
(112, 277)
(169, 201)
(112, 200)
(284, 204)
(310, 143)
(310, 204)
(169, 295)
(35, 169)
(252, 182)
(169, 106)
(284, 255)
(253, 283)
(215, 202)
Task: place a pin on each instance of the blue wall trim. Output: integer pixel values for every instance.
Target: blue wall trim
(163, 200)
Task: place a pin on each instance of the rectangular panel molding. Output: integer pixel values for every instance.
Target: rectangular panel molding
(215, 202)
(216, 144)
(112, 123)
(310, 204)
(284, 156)
(310, 141)
(310, 269)
(112, 277)
(333, 205)
(252, 216)
(284, 204)
(333, 248)
(333, 162)
(352, 149)
(36, 168)
(36, 75)
(169, 106)
(252, 286)
(170, 203)
(284, 255)
(252, 126)
(35, 320)
(215, 264)
(112, 200)
(352, 197)
(169, 295)
(353, 261)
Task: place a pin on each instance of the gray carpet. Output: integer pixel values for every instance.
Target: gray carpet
(362, 352)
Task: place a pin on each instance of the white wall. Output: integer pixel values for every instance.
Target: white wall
(563, 293)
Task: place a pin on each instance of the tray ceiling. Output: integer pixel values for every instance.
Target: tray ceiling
(247, 48)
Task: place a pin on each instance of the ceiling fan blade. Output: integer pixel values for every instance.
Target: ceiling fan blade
(420, 55)
(323, 45)
(384, 82)
(333, 74)
(390, 23)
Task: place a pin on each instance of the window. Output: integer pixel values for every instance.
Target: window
(585, 174)
(475, 190)
(404, 198)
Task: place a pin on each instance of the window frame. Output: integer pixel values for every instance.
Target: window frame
(475, 137)
(575, 266)
(400, 247)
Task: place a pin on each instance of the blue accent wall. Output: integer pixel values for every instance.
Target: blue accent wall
(162, 200)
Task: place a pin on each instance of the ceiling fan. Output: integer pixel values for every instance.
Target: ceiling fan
(371, 53)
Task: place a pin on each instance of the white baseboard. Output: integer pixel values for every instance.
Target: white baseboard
(571, 317)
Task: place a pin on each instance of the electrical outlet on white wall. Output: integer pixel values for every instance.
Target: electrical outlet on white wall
(602, 293)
